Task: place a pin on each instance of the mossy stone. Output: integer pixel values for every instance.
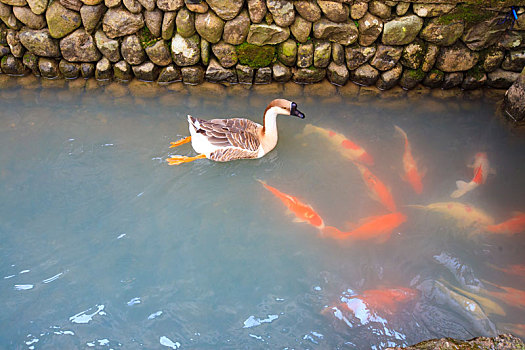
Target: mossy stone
(255, 56)
(471, 14)
(287, 52)
(146, 38)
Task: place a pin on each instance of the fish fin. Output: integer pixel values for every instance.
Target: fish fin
(400, 131)
(297, 220)
(462, 189)
(416, 206)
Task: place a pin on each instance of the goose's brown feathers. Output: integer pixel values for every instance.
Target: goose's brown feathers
(235, 132)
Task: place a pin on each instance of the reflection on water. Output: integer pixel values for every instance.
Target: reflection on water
(104, 245)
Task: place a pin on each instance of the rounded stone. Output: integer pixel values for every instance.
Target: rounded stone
(432, 10)
(61, 21)
(358, 55)
(133, 6)
(280, 72)
(365, 75)
(413, 54)
(159, 53)
(153, 21)
(301, 29)
(132, 51)
(402, 30)
(79, 46)
(434, 78)
(185, 23)
(344, 33)
(322, 53)
(209, 26)
(492, 60)
(442, 34)
(48, 68)
(118, 22)
(236, 30)
(170, 5)
(410, 78)
(38, 6)
(263, 76)
(338, 53)
(110, 48)
(168, 25)
(39, 42)
(30, 60)
(122, 71)
(146, 71)
(287, 52)
(267, 34)
(12, 65)
(245, 73)
(257, 10)
(337, 74)
(217, 73)
(186, 51)
(386, 57)
(484, 34)
(379, 8)
(87, 69)
(225, 53)
(28, 18)
(452, 80)
(169, 74)
(305, 55)
(388, 79)
(104, 70)
(308, 75)
(282, 11)
(68, 69)
(501, 79)
(226, 9)
(456, 58)
(370, 27)
(91, 16)
(514, 97)
(333, 10)
(309, 10)
(201, 7)
(358, 9)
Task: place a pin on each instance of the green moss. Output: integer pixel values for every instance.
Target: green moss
(255, 56)
(436, 72)
(415, 74)
(476, 72)
(146, 38)
(470, 14)
(3, 61)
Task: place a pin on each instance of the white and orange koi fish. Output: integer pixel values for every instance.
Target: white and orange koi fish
(481, 170)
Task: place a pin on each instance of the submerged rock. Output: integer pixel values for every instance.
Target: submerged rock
(503, 341)
(513, 101)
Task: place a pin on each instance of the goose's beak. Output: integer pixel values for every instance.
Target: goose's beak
(295, 111)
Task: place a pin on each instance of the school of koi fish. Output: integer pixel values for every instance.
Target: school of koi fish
(479, 299)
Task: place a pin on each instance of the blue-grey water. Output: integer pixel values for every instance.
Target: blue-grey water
(104, 245)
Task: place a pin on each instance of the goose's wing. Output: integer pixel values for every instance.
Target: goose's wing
(235, 132)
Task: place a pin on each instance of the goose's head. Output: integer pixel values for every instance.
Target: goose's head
(285, 107)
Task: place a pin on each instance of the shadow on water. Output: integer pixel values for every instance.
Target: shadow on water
(104, 244)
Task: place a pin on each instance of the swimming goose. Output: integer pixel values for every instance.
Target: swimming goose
(223, 140)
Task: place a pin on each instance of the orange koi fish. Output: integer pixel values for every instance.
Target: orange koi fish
(465, 215)
(385, 300)
(378, 228)
(412, 175)
(515, 224)
(516, 270)
(379, 191)
(303, 212)
(343, 145)
(481, 170)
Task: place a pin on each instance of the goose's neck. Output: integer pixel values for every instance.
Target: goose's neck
(270, 121)
(269, 131)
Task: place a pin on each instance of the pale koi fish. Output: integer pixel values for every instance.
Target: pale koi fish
(466, 215)
(481, 170)
(344, 146)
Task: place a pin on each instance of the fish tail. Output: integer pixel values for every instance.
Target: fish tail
(401, 132)
(462, 189)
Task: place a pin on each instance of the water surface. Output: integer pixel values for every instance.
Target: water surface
(104, 245)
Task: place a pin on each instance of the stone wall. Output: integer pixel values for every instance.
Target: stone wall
(381, 43)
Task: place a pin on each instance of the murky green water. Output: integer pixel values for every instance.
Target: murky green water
(104, 245)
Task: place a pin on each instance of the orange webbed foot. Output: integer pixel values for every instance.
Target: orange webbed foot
(180, 142)
(176, 160)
